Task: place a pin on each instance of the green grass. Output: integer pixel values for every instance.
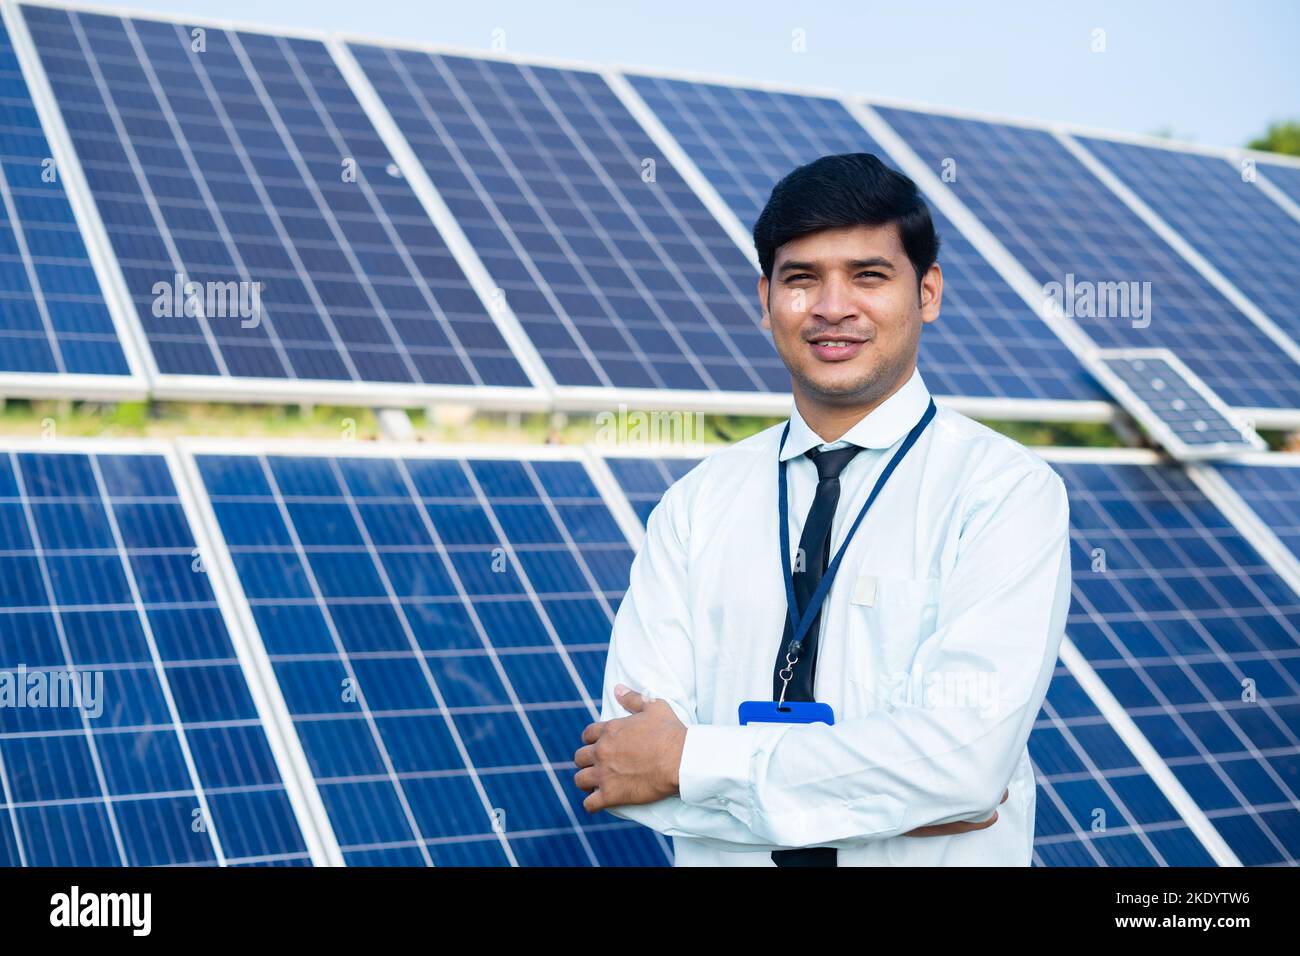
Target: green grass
(173, 419)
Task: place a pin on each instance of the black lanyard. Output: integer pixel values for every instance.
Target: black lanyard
(799, 627)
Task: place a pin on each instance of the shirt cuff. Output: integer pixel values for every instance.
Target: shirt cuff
(714, 771)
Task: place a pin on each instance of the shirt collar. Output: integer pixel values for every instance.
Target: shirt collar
(881, 427)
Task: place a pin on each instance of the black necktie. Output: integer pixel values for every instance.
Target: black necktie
(815, 547)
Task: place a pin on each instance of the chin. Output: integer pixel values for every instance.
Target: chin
(845, 385)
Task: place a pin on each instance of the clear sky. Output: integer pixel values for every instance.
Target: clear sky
(1210, 72)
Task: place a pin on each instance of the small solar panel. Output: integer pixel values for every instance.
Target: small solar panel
(1198, 638)
(165, 761)
(617, 271)
(1180, 411)
(267, 239)
(1118, 281)
(987, 343)
(53, 317)
(439, 628)
(1223, 214)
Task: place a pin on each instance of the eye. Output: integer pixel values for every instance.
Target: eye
(798, 275)
(869, 272)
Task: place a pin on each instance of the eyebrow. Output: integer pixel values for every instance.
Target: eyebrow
(802, 266)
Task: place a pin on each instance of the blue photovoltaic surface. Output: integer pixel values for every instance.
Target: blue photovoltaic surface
(1242, 232)
(1285, 177)
(1273, 493)
(1066, 227)
(439, 629)
(1080, 762)
(615, 268)
(644, 480)
(251, 161)
(1198, 639)
(988, 341)
(1172, 399)
(97, 564)
(1082, 767)
(52, 313)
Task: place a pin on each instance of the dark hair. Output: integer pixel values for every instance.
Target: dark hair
(849, 189)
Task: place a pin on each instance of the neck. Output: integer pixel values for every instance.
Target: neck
(831, 422)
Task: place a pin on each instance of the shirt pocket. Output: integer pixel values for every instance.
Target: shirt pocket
(889, 618)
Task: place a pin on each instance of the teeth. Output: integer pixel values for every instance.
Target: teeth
(834, 345)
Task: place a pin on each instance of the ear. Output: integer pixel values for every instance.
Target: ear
(931, 293)
(762, 300)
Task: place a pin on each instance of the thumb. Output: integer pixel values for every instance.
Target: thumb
(629, 698)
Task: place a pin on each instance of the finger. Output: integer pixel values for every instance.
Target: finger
(591, 733)
(585, 756)
(629, 698)
(1005, 794)
(952, 829)
(585, 779)
(594, 803)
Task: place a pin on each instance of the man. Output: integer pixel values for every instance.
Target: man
(934, 643)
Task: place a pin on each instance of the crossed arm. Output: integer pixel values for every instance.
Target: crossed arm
(910, 770)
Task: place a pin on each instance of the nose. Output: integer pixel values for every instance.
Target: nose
(834, 302)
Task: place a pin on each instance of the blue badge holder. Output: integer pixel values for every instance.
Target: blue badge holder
(791, 712)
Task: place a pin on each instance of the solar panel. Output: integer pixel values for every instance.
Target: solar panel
(616, 270)
(54, 322)
(1081, 764)
(1223, 214)
(1198, 638)
(1179, 410)
(439, 627)
(1271, 489)
(166, 761)
(988, 341)
(1121, 283)
(266, 238)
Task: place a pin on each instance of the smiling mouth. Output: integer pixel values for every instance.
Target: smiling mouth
(836, 348)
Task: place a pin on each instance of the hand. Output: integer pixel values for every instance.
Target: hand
(960, 826)
(630, 760)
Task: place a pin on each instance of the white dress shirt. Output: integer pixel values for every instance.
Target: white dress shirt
(938, 640)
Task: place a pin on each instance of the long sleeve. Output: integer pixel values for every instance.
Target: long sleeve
(651, 650)
(1001, 617)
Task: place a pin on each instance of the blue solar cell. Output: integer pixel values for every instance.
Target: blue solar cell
(229, 159)
(1194, 634)
(1284, 177)
(435, 677)
(988, 341)
(52, 312)
(1223, 214)
(1123, 285)
(1273, 493)
(168, 763)
(615, 268)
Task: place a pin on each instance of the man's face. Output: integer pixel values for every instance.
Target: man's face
(846, 314)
